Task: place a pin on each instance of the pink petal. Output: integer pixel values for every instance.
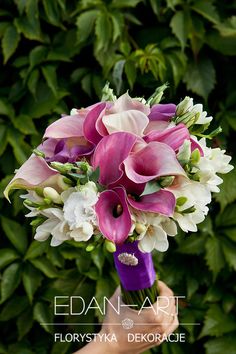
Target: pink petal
(110, 152)
(156, 125)
(162, 202)
(162, 111)
(174, 136)
(195, 145)
(113, 227)
(35, 172)
(126, 103)
(66, 127)
(154, 160)
(89, 127)
(127, 121)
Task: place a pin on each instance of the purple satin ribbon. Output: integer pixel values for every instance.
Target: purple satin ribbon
(136, 277)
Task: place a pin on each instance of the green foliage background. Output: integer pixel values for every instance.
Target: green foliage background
(58, 54)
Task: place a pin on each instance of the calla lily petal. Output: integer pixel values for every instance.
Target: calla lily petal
(66, 127)
(162, 202)
(174, 136)
(89, 127)
(113, 226)
(33, 173)
(154, 160)
(196, 145)
(126, 103)
(128, 121)
(110, 152)
(162, 111)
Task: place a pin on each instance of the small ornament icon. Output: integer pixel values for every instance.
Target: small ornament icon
(128, 259)
(127, 323)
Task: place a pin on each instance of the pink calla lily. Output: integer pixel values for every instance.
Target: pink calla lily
(66, 127)
(35, 172)
(154, 160)
(113, 214)
(174, 136)
(90, 123)
(162, 202)
(110, 152)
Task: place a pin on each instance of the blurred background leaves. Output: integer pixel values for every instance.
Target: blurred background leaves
(58, 54)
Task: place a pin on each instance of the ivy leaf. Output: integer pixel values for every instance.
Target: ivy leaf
(131, 72)
(117, 24)
(37, 55)
(13, 307)
(10, 280)
(36, 249)
(117, 74)
(10, 42)
(103, 31)
(219, 345)
(125, 3)
(85, 23)
(214, 255)
(229, 249)
(33, 81)
(24, 323)
(200, 77)
(25, 124)
(32, 279)
(43, 316)
(15, 233)
(227, 193)
(45, 266)
(207, 10)
(224, 45)
(227, 218)
(180, 27)
(7, 255)
(192, 245)
(49, 72)
(213, 322)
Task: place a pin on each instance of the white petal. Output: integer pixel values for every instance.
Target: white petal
(147, 244)
(55, 242)
(160, 236)
(169, 226)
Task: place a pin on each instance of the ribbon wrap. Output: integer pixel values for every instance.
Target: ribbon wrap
(135, 277)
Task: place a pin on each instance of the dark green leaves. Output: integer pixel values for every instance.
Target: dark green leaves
(15, 233)
(10, 42)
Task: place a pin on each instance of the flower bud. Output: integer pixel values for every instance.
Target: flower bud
(157, 96)
(90, 248)
(166, 181)
(184, 153)
(140, 228)
(73, 111)
(38, 153)
(184, 106)
(52, 195)
(110, 246)
(63, 182)
(195, 156)
(107, 94)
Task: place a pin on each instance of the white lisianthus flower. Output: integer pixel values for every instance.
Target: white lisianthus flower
(214, 161)
(79, 210)
(198, 196)
(203, 119)
(153, 230)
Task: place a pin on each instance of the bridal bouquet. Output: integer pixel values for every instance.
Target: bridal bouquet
(125, 172)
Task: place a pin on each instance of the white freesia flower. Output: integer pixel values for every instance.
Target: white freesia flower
(79, 211)
(214, 161)
(34, 198)
(153, 230)
(55, 225)
(187, 106)
(198, 196)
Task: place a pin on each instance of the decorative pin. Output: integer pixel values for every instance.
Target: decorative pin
(128, 259)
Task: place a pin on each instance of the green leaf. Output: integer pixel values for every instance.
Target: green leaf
(117, 24)
(3, 27)
(130, 72)
(32, 279)
(206, 9)
(103, 31)
(220, 345)
(125, 3)
(227, 193)
(52, 12)
(49, 72)
(117, 74)
(36, 249)
(224, 45)
(10, 42)
(21, 4)
(15, 233)
(3, 139)
(32, 81)
(85, 23)
(43, 315)
(227, 218)
(37, 55)
(24, 323)
(180, 27)
(15, 140)
(6, 109)
(25, 124)
(214, 255)
(200, 77)
(14, 307)
(151, 187)
(10, 280)
(98, 258)
(192, 245)
(229, 249)
(45, 266)
(213, 322)
(7, 255)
